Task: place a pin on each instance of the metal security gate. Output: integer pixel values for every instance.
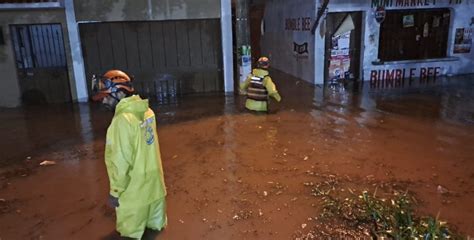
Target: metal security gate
(41, 63)
(166, 58)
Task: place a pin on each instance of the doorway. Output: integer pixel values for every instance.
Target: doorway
(41, 63)
(343, 47)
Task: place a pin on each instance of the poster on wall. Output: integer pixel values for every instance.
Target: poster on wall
(436, 21)
(340, 61)
(463, 40)
(408, 21)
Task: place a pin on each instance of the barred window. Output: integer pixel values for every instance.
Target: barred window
(414, 34)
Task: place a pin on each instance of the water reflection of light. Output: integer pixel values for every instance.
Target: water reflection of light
(85, 122)
(271, 135)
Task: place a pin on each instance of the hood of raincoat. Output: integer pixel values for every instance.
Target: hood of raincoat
(133, 104)
(259, 72)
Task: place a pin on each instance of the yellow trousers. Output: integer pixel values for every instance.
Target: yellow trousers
(132, 221)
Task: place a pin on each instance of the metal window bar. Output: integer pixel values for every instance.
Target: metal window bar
(38, 46)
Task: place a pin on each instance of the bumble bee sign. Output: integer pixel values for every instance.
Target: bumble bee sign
(287, 39)
(411, 3)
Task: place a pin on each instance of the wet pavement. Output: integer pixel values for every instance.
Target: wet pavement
(231, 174)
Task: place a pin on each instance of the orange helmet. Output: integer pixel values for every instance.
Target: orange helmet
(111, 82)
(263, 62)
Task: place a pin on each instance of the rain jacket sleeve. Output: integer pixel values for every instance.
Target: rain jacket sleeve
(271, 89)
(119, 154)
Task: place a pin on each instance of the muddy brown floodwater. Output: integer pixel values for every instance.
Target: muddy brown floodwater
(231, 174)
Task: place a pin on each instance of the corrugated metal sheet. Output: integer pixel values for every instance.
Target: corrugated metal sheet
(167, 58)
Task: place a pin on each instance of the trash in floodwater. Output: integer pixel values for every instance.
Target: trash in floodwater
(442, 190)
(47, 163)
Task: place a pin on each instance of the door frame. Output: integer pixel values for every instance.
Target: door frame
(360, 44)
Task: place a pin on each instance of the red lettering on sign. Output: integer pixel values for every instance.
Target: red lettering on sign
(430, 72)
(436, 73)
(398, 74)
(306, 24)
(398, 77)
(412, 73)
(423, 74)
(390, 75)
(298, 24)
(373, 79)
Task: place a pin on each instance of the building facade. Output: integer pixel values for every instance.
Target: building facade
(387, 42)
(50, 49)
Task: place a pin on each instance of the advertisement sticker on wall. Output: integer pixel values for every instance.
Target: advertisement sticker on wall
(340, 61)
(408, 21)
(463, 40)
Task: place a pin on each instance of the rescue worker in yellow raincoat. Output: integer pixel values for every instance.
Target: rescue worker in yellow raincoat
(260, 87)
(132, 157)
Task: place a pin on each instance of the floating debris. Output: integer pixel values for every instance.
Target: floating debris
(47, 163)
(442, 190)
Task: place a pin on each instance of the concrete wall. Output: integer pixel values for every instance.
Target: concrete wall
(90, 10)
(461, 15)
(277, 41)
(287, 23)
(11, 94)
(137, 10)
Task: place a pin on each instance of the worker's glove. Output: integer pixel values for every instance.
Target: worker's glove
(277, 97)
(113, 201)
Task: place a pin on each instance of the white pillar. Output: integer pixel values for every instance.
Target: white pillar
(80, 83)
(227, 55)
(319, 49)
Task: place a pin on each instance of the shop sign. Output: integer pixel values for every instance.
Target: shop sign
(380, 14)
(396, 78)
(410, 3)
(300, 50)
(298, 24)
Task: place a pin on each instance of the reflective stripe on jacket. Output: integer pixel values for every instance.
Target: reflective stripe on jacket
(257, 90)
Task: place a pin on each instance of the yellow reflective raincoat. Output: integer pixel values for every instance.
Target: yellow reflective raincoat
(268, 85)
(133, 161)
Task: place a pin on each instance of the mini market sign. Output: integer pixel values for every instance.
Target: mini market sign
(410, 3)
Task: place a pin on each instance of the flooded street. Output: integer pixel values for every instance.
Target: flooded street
(232, 174)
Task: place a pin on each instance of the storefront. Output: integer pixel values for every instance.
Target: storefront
(387, 42)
